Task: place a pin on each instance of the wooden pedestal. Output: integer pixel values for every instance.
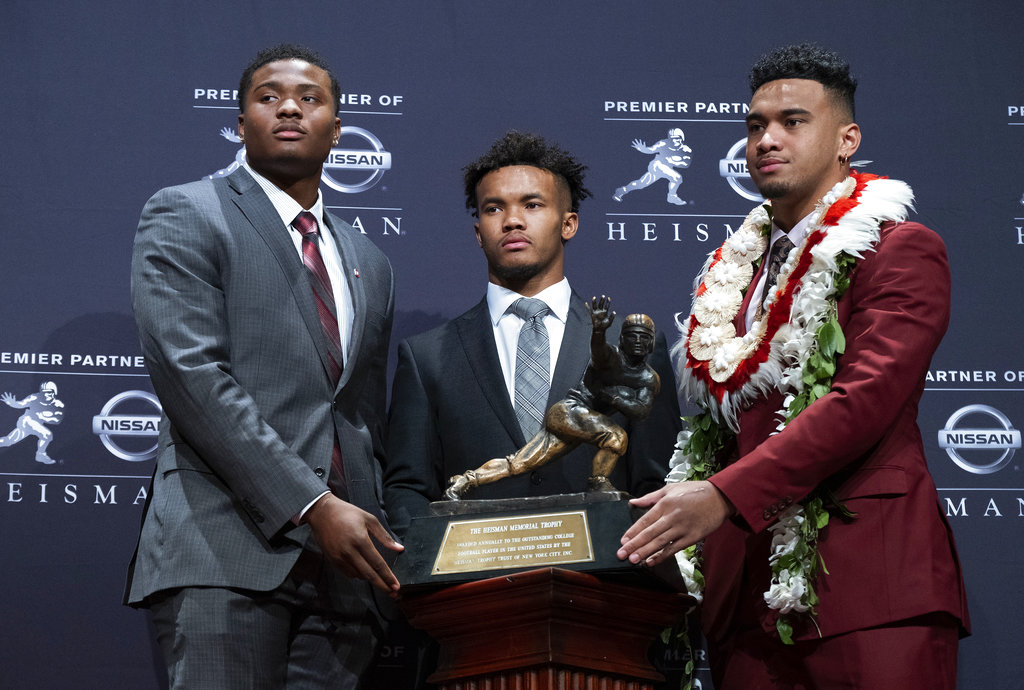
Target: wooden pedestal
(546, 629)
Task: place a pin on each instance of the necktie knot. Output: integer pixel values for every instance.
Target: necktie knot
(782, 247)
(306, 224)
(528, 308)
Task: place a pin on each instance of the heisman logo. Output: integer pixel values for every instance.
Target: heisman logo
(128, 425)
(368, 165)
(978, 442)
(669, 154)
(40, 409)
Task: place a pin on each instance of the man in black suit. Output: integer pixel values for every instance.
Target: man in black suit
(453, 400)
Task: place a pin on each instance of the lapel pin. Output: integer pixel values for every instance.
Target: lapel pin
(356, 271)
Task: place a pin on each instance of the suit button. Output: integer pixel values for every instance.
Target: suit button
(535, 478)
(256, 514)
(319, 471)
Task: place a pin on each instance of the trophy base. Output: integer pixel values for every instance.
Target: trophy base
(461, 541)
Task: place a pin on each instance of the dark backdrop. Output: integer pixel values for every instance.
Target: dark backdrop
(108, 101)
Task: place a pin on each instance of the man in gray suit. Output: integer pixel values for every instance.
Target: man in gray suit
(264, 321)
(452, 399)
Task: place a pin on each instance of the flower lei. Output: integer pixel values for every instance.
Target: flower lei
(794, 348)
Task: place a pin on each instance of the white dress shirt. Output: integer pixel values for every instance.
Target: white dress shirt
(507, 325)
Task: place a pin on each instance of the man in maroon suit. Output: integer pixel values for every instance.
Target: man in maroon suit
(810, 337)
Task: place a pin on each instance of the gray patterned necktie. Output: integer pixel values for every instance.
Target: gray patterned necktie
(776, 257)
(533, 364)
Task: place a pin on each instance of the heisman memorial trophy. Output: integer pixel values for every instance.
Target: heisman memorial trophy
(463, 539)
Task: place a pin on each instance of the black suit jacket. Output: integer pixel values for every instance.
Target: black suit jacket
(450, 412)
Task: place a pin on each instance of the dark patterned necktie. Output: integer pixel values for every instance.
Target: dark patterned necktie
(323, 295)
(533, 364)
(776, 257)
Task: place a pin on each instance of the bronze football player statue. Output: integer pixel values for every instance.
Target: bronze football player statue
(616, 380)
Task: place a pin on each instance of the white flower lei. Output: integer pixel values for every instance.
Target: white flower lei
(711, 359)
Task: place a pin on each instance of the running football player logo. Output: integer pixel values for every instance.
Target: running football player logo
(41, 408)
(669, 154)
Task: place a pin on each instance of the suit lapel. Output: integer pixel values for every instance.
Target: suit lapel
(477, 337)
(265, 220)
(348, 252)
(574, 354)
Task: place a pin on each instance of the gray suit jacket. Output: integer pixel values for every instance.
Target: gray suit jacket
(450, 412)
(236, 354)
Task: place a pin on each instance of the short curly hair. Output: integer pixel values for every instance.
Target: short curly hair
(518, 148)
(286, 51)
(808, 61)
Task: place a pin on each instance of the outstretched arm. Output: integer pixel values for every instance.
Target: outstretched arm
(642, 147)
(680, 515)
(13, 402)
(601, 316)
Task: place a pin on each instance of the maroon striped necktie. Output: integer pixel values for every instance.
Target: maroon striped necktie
(323, 295)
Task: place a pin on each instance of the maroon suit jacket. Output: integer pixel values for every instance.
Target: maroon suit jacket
(897, 558)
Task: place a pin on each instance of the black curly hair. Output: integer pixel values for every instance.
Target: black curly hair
(286, 51)
(808, 61)
(518, 148)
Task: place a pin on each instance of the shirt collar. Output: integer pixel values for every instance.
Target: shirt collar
(797, 233)
(286, 207)
(556, 296)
